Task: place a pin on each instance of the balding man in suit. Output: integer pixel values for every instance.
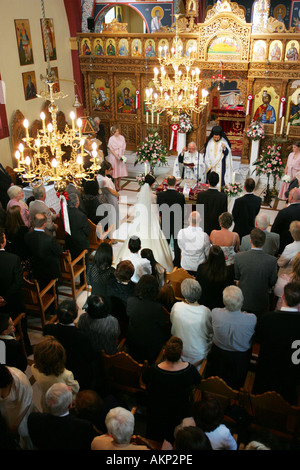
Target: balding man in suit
(245, 209)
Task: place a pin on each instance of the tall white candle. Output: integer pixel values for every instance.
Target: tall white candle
(288, 129)
(157, 118)
(152, 117)
(275, 127)
(145, 168)
(233, 178)
(147, 117)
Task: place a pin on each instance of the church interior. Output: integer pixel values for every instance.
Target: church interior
(100, 57)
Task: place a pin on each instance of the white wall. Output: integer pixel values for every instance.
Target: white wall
(11, 70)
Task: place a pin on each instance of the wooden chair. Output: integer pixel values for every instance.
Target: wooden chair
(94, 240)
(215, 386)
(270, 411)
(19, 333)
(70, 272)
(176, 277)
(122, 373)
(60, 232)
(38, 301)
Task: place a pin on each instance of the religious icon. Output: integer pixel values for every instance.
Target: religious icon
(295, 109)
(191, 48)
(100, 95)
(111, 47)
(259, 50)
(149, 48)
(280, 12)
(265, 113)
(292, 50)
(29, 84)
(123, 47)
(275, 50)
(24, 42)
(126, 98)
(224, 44)
(86, 47)
(51, 39)
(98, 47)
(157, 15)
(56, 87)
(136, 48)
(163, 48)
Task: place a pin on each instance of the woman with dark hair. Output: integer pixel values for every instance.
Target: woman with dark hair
(15, 230)
(213, 276)
(92, 199)
(49, 367)
(169, 390)
(145, 335)
(191, 438)
(100, 326)
(227, 240)
(158, 270)
(166, 296)
(100, 272)
(108, 190)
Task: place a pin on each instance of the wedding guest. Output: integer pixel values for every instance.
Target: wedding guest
(101, 272)
(157, 269)
(49, 367)
(15, 355)
(108, 189)
(16, 195)
(116, 149)
(285, 278)
(166, 296)
(290, 251)
(15, 231)
(291, 168)
(229, 241)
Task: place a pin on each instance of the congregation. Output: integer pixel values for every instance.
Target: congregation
(241, 288)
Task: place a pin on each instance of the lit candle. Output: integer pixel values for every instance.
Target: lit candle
(21, 149)
(288, 128)
(26, 125)
(54, 164)
(82, 144)
(72, 116)
(42, 115)
(27, 163)
(275, 127)
(281, 127)
(38, 144)
(17, 155)
(152, 117)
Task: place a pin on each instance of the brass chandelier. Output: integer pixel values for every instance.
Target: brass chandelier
(178, 93)
(41, 160)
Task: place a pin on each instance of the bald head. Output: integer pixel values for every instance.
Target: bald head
(194, 219)
(294, 195)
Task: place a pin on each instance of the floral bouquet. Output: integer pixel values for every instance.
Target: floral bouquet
(141, 179)
(123, 159)
(152, 151)
(233, 189)
(269, 162)
(286, 179)
(256, 131)
(185, 123)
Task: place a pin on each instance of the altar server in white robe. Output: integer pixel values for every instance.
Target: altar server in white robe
(218, 156)
(189, 164)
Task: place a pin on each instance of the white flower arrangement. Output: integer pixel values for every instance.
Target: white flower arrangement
(286, 178)
(185, 123)
(256, 131)
(123, 159)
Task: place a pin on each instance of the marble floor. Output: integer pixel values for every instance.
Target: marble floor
(127, 201)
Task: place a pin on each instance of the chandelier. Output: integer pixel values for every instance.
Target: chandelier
(41, 160)
(220, 78)
(178, 93)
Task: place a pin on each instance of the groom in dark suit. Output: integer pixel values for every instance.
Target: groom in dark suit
(245, 210)
(172, 218)
(283, 219)
(214, 201)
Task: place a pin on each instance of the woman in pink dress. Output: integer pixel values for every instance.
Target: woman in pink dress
(116, 149)
(16, 195)
(292, 167)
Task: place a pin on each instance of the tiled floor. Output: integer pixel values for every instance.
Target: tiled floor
(129, 192)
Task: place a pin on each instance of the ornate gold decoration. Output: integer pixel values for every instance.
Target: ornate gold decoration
(115, 27)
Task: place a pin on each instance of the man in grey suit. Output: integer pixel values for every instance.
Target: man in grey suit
(256, 272)
(271, 245)
(38, 206)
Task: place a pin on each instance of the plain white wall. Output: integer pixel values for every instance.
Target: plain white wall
(11, 70)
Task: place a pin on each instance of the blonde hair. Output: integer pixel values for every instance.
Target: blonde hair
(295, 230)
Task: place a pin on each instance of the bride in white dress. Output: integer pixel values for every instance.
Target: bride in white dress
(146, 226)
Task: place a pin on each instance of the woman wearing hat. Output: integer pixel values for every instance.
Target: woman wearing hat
(16, 194)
